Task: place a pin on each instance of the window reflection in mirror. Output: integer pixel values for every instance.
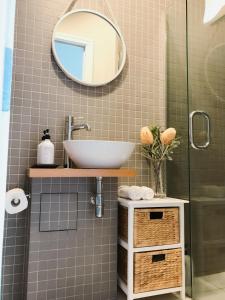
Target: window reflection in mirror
(71, 56)
(88, 48)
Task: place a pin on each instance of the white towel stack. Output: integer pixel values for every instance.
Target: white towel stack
(135, 192)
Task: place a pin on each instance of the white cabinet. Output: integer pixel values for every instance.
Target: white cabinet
(151, 257)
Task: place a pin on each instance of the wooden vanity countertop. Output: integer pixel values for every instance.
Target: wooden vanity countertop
(71, 172)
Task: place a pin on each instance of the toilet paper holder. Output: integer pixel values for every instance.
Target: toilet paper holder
(16, 202)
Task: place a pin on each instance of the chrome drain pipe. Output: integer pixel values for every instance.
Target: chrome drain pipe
(98, 200)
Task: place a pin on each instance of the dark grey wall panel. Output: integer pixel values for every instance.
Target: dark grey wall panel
(75, 264)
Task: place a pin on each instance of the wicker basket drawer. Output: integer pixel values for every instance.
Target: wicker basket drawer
(157, 270)
(152, 270)
(156, 226)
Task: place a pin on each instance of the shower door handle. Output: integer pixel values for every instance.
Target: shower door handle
(207, 118)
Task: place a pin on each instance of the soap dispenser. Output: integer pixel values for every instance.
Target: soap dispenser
(45, 150)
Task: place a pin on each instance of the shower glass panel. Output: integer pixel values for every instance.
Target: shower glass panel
(196, 108)
(206, 94)
(177, 114)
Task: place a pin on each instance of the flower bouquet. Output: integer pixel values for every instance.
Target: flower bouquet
(157, 147)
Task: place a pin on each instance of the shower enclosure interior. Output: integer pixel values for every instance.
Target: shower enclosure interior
(196, 107)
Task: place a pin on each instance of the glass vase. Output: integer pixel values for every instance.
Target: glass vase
(159, 182)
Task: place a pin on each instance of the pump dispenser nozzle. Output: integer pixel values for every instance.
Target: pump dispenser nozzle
(46, 135)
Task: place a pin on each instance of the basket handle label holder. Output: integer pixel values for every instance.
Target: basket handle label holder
(156, 215)
(158, 257)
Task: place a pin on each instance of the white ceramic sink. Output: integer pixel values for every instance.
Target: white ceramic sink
(98, 154)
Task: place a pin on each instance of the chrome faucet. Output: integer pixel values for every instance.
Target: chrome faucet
(69, 128)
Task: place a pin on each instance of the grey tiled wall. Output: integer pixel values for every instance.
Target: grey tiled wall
(42, 97)
(76, 264)
(58, 211)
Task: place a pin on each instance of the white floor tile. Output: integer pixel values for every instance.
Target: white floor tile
(218, 280)
(213, 295)
(210, 287)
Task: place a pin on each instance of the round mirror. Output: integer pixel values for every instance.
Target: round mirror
(88, 47)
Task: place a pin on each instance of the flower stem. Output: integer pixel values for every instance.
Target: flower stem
(157, 168)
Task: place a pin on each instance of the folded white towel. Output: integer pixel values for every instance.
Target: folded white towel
(148, 193)
(130, 192)
(135, 192)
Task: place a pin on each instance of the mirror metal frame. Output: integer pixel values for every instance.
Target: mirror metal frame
(118, 32)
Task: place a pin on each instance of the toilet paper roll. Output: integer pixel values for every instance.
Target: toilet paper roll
(16, 201)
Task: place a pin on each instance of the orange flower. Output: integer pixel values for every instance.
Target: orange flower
(168, 136)
(146, 136)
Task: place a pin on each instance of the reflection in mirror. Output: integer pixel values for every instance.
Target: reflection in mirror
(88, 47)
(214, 9)
(71, 56)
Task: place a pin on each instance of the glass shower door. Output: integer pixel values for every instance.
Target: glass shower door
(206, 96)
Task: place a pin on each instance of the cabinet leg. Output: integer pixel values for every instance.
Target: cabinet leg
(182, 295)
